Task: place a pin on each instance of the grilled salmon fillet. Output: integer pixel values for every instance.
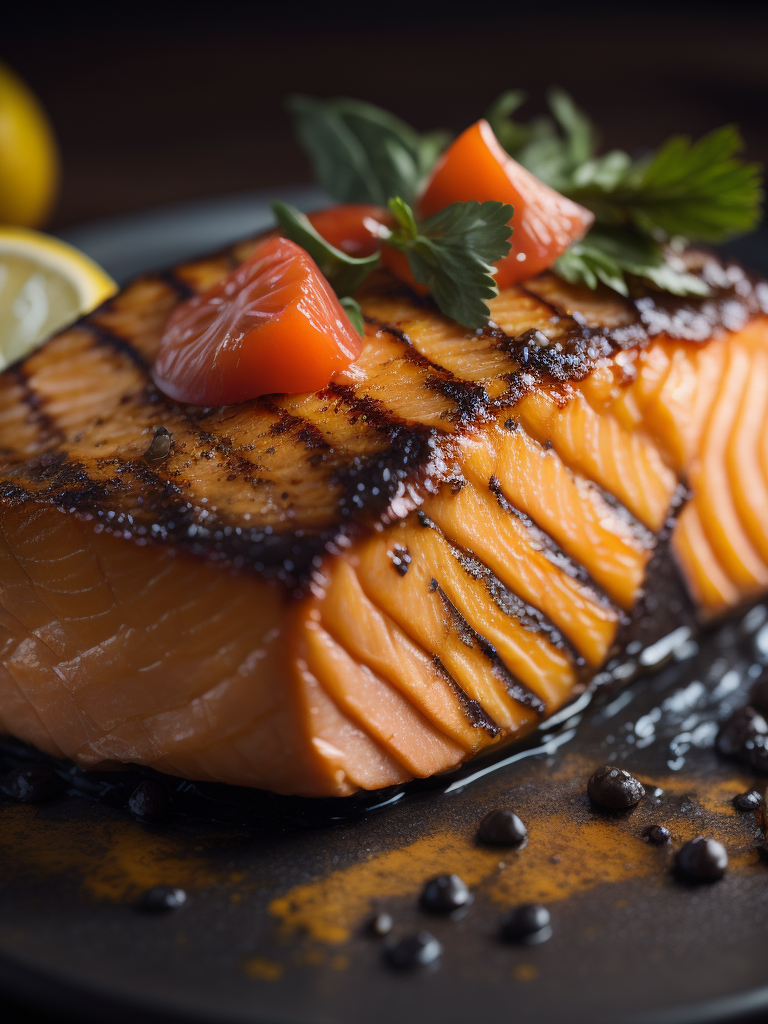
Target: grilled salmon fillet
(325, 592)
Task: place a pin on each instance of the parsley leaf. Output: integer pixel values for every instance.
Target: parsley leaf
(344, 273)
(699, 190)
(607, 254)
(552, 149)
(453, 253)
(363, 154)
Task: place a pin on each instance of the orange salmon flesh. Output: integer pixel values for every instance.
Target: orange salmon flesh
(319, 593)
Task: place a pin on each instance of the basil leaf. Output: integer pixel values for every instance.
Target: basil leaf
(344, 273)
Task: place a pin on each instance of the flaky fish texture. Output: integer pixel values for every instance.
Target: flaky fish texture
(325, 592)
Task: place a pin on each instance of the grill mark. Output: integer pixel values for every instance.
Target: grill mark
(469, 636)
(305, 430)
(171, 278)
(638, 530)
(476, 714)
(203, 440)
(471, 399)
(47, 430)
(571, 356)
(531, 618)
(378, 414)
(552, 550)
(111, 339)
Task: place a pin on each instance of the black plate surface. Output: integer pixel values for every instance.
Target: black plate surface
(280, 889)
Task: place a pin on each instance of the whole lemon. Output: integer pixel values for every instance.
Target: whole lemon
(29, 161)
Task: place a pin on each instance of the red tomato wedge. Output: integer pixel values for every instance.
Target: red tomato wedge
(273, 325)
(545, 223)
(351, 227)
(354, 228)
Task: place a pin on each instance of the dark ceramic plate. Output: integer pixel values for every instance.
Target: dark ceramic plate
(280, 889)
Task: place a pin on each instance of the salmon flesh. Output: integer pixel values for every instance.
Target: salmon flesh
(325, 592)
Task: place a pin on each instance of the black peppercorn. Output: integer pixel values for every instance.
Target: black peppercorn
(758, 695)
(613, 787)
(32, 785)
(701, 860)
(150, 801)
(755, 753)
(527, 923)
(658, 835)
(502, 827)
(418, 950)
(743, 727)
(380, 925)
(444, 894)
(163, 897)
(745, 802)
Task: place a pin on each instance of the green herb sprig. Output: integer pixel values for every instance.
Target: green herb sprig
(698, 191)
(361, 153)
(452, 253)
(686, 191)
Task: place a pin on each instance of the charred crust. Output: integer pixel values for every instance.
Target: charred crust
(369, 482)
(470, 400)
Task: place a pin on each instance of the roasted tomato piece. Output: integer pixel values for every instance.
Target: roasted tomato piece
(545, 223)
(273, 325)
(397, 262)
(351, 227)
(354, 228)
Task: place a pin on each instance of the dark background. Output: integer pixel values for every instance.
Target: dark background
(156, 103)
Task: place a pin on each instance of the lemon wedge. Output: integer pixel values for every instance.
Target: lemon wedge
(29, 158)
(45, 284)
